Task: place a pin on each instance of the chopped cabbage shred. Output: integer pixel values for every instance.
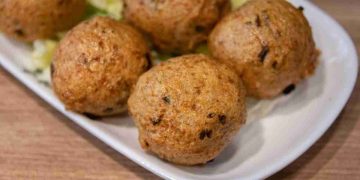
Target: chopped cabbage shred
(237, 3)
(112, 8)
(43, 53)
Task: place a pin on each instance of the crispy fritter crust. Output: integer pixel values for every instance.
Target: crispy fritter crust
(269, 43)
(175, 26)
(188, 109)
(29, 20)
(97, 64)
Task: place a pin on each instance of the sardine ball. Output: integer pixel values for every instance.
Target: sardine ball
(29, 20)
(96, 66)
(188, 109)
(270, 45)
(175, 26)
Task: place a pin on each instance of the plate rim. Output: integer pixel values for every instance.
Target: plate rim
(316, 135)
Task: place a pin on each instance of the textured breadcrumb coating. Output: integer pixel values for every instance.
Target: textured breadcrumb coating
(29, 20)
(97, 64)
(188, 109)
(269, 43)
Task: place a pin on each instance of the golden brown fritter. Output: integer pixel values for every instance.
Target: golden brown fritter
(97, 64)
(29, 20)
(269, 43)
(188, 109)
(175, 26)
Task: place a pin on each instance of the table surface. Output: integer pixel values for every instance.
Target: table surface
(37, 142)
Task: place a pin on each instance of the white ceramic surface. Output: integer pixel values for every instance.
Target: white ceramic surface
(267, 143)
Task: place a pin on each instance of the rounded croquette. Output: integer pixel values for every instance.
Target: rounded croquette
(269, 43)
(175, 26)
(97, 64)
(29, 20)
(188, 109)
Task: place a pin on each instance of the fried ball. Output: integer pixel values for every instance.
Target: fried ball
(175, 26)
(96, 66)
(269, 43)
(188, 109)
(29, 20)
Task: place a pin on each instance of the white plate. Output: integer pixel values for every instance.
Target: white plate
(262, 147)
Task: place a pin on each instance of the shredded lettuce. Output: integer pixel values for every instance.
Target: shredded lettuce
(112, 8)
(42, 53)
(237, 3)
(203, 49)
